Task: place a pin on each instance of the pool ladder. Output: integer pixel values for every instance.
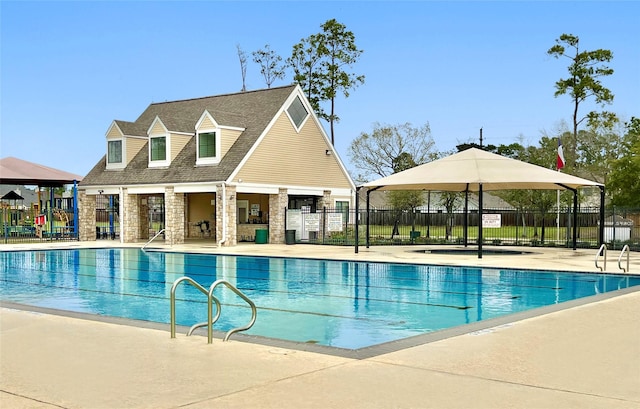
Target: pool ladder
(210, 300)
(602, 251)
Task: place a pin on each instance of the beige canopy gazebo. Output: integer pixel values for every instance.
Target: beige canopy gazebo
(476, 170)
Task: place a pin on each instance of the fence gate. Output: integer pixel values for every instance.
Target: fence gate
(107, 217)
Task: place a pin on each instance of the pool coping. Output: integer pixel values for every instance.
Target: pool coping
(358, 354)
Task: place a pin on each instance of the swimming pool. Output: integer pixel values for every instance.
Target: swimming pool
(344, 304)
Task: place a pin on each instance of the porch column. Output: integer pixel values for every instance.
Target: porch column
(86, 216)
(277, 204)
(174, 215)
(226, 209)
(130, 217)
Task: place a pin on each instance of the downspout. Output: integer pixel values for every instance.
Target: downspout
(224, 215)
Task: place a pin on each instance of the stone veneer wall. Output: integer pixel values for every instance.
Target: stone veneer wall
(277, 204)
(325, 201)
(230, 239)
(86, 216)
(131, 210)
(174, 216)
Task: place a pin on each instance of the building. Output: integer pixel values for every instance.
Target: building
(220, 167)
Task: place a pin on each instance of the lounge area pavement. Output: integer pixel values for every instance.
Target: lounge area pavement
(587, 356)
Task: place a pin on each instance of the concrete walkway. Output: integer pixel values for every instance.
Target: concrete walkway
(587, 356)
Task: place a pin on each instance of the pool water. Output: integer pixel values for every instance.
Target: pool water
(344, 304)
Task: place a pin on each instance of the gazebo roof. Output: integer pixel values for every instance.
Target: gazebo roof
(467, 170)
(20, 172)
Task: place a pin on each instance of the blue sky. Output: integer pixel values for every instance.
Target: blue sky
(68, 69)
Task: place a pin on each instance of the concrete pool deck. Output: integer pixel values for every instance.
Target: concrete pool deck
(586, 356)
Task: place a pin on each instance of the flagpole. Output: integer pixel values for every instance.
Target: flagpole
(559, 165)
(558, 216)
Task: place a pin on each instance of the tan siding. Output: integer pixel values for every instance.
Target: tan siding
(285, 157)
(227, 138)
(114, 133)
(178, 142)
(206, 123)
(157, 129)
(133, 146)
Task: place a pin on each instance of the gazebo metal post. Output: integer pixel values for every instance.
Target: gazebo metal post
(601, 229)
(366, 238)
(480, 220)
(368, 209)
(357, 217)
(465, 222)
(575, 218)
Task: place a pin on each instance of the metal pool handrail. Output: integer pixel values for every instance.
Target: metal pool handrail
(153, 238)
(628, 250)
(210, 300)
(602, 250)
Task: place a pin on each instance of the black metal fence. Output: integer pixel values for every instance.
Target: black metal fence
(30, 225)
(107, 217)
(501, 227)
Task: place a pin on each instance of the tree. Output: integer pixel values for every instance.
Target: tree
(598, 148)
(542, 201)
(339, 47)
(450, 201)
(242, 56)
(624, 183)
(389, 148)
(320, 64)
(404, 200)
(271, 66)
(305, 61)
(585, 70)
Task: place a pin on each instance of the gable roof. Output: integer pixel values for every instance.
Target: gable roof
(251, 110)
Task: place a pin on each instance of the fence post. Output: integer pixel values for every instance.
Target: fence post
(324, 222)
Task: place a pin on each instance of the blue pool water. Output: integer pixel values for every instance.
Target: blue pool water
(345, 304)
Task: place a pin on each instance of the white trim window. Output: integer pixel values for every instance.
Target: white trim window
(297, 113)
(208, 146)
(115, 154)
(158, 151)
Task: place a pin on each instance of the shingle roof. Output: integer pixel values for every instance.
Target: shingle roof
(252, 110)
(131, 128)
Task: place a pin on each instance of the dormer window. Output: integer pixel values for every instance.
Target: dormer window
(297, 112)
(158, 151)
(114, 156)
(207, 145)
